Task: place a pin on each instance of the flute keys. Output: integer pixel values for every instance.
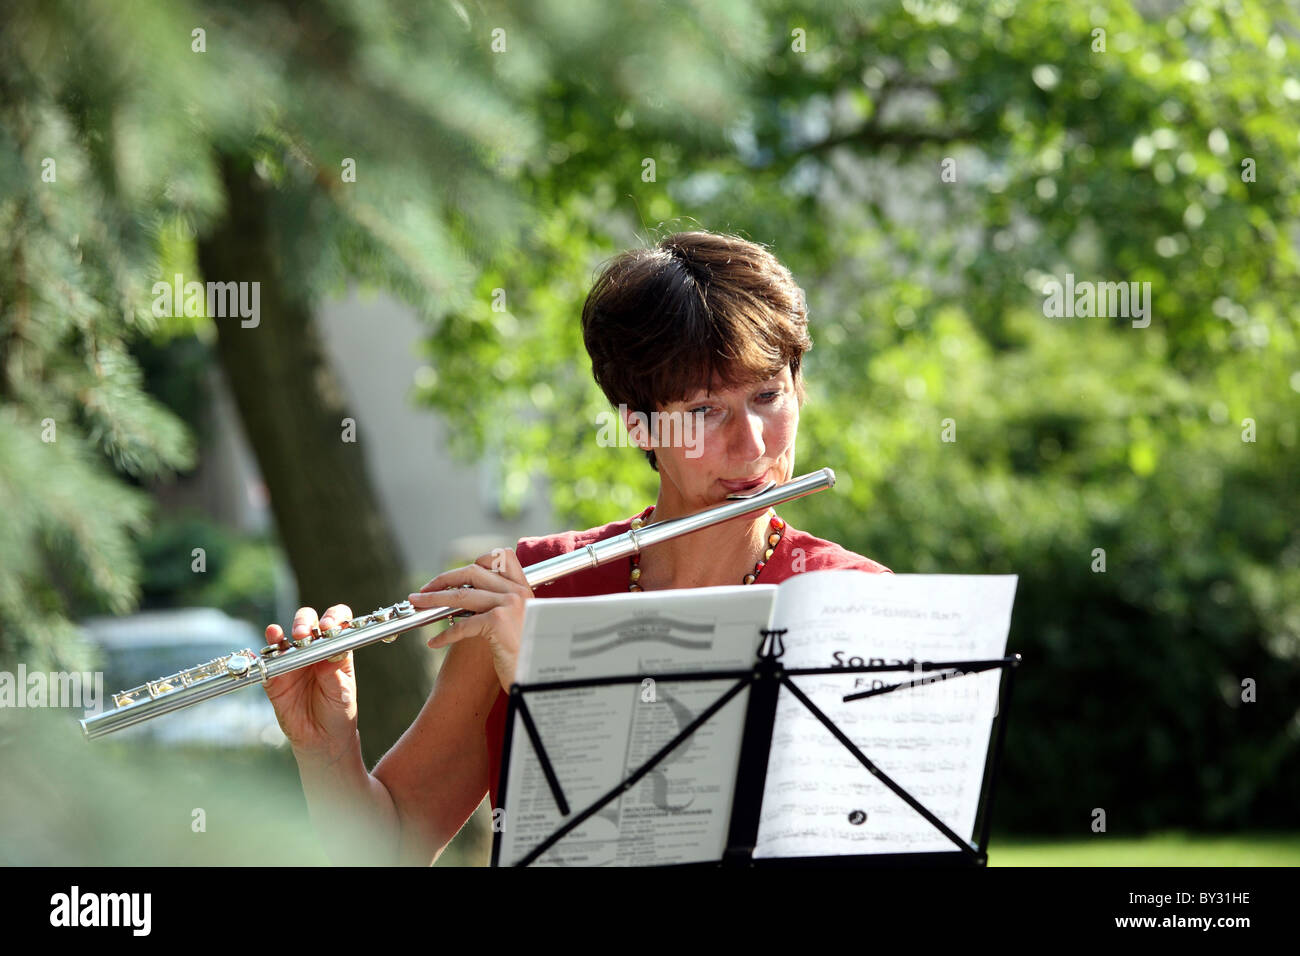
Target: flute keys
(381, 615)
(237, 665)
(403, 609)
(275, 650)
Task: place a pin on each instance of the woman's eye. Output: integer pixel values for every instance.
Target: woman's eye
(769, 397)
(703, 409)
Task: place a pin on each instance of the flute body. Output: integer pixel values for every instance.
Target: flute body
(232, 672)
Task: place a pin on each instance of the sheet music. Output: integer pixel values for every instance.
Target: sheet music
(596, 737)
(932, 740)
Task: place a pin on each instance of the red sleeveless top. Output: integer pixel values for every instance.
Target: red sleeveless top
(814, 554)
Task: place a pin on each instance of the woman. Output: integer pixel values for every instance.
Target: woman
(707, 330)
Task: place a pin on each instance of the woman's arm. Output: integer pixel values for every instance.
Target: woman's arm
(425, 788)
(437, 773)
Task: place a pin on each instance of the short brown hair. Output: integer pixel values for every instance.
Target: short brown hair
(698, 307)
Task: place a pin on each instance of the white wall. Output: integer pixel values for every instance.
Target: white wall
(443, 512)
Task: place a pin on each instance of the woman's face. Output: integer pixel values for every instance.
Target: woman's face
(727, 441)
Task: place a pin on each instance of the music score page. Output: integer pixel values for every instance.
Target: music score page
(930, 739)
(596, 737)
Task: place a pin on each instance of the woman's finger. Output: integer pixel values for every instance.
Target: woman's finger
(303, 622)
(335, 616)
(464, 627)
(466, 598)
(504, 563)
(472, 575)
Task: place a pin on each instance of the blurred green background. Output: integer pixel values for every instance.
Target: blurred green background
(924, 168)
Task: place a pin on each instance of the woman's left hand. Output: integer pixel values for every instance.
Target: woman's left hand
(494, 588)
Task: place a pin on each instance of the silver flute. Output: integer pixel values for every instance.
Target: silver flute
(248, 667)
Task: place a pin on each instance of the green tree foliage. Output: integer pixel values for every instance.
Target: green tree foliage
(112, 120)
(307, 144)
(925, 169)
(77, 256)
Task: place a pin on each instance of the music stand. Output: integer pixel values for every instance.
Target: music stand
(764, 681)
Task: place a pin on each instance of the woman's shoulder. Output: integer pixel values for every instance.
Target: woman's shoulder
(810, 553)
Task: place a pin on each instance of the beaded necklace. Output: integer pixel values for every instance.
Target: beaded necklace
(776, 527)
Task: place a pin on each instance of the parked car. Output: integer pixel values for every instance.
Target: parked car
(153, 644)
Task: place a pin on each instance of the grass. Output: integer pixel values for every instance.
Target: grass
(68, 802)
(64, 801)
(1174, 848)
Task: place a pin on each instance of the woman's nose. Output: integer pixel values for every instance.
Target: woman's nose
(747, 437)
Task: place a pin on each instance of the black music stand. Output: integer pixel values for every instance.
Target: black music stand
(764, 681)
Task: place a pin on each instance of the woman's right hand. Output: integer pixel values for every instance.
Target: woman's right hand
(316, 705)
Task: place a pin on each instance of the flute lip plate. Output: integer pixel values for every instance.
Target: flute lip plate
(741, 496)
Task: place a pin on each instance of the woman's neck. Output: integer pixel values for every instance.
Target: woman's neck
(719, 554)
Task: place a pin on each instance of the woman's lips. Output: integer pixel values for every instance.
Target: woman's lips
(743, 484)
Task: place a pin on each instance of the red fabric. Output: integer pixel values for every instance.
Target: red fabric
(818, 555)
